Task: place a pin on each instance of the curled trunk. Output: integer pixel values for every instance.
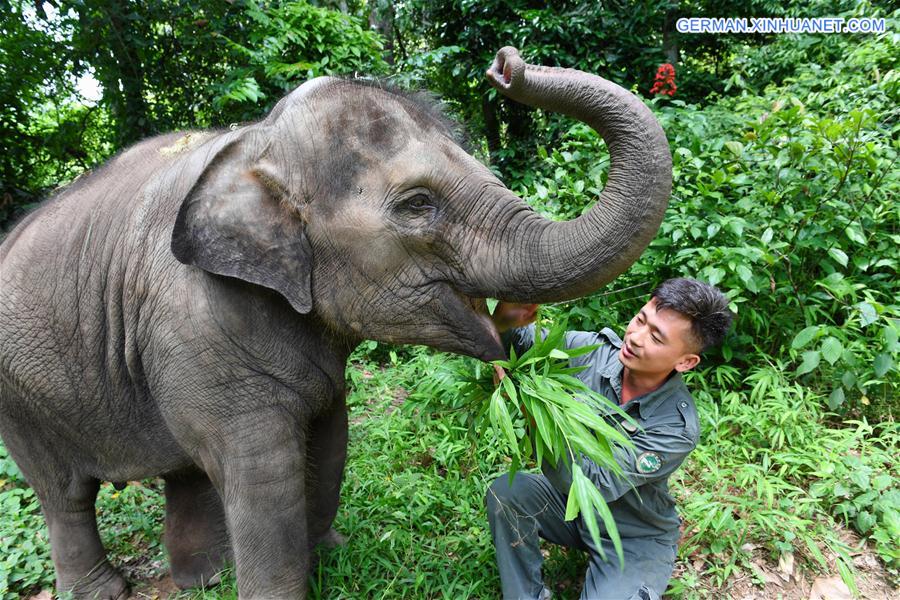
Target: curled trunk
(539, 260)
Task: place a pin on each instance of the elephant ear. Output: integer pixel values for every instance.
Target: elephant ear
(234, 222)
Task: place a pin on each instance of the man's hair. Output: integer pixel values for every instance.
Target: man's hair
(703, 304)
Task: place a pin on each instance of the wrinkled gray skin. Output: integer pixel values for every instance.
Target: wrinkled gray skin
(187, 310)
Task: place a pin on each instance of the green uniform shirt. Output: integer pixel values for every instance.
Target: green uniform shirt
(669, 429)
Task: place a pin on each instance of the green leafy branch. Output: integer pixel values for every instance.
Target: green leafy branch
(566, 420)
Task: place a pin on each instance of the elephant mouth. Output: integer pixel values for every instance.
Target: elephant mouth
(480, 327)
(479, 305)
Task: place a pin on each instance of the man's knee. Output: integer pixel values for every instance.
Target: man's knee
(524, 491)
(499, 493)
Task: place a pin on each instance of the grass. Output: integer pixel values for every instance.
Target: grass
(24, 550)
(412, 502)
(773, 477)
(771, 474)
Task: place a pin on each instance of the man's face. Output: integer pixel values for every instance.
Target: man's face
(658, 342)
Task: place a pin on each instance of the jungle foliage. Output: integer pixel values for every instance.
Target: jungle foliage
(785, 195)
(179, 64)
(161, 66)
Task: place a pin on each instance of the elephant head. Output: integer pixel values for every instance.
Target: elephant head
(357, 204)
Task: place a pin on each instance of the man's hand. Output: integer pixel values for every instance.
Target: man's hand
(499, 374)
(508, 315)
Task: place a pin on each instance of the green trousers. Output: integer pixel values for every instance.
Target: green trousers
(531, 509)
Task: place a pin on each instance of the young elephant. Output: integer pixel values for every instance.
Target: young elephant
(187, 310)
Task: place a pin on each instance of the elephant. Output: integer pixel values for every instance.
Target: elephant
(186, 311)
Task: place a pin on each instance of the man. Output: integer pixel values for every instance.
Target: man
(642, 374)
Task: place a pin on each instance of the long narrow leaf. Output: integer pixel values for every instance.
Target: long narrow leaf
(501, 419)
(510, 390)
(582, 350)
(572, 508)
(581, 488)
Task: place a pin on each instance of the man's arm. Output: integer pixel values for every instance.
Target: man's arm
(657, 453)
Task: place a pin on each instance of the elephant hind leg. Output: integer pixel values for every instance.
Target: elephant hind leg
(68, 502)
(78, 554)
(196, 536)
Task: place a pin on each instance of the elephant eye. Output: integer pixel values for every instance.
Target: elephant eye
(418, 202)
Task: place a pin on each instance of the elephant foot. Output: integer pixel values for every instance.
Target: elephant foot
(197, 571)
(332, 539)
(195, 567)
(103, 582)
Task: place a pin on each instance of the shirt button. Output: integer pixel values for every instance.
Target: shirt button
(684, 405)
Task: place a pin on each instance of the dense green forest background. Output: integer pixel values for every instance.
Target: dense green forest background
(785, 195)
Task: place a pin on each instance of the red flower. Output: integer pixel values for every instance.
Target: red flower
(664, 83)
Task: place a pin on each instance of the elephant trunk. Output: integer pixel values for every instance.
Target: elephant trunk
(539, 260)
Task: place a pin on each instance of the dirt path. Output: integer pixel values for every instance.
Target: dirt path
(767, 581)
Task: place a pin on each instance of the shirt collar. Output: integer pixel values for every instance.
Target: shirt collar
(646, 403)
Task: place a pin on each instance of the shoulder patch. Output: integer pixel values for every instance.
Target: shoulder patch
(648, 462)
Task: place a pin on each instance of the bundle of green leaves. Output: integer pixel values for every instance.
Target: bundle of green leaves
(539, 411)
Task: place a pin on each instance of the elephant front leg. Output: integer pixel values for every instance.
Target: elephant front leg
(263, 490)
(326, 455)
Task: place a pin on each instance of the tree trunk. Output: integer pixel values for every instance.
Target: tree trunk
(491, 125)
(130, 109)
(382, 20)
(670, 35)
